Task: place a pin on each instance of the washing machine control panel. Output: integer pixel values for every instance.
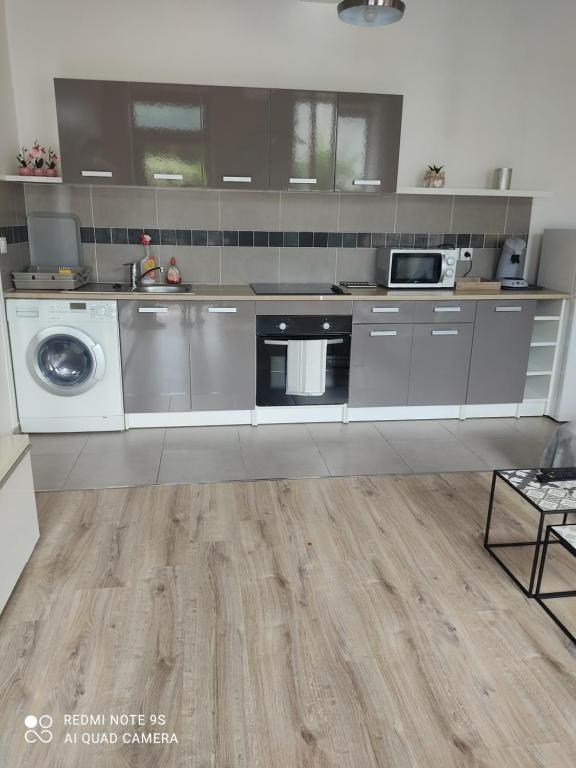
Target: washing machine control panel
(93, 311)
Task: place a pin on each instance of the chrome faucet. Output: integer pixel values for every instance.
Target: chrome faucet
(136, 277)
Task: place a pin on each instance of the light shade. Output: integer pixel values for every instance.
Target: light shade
(371, 13)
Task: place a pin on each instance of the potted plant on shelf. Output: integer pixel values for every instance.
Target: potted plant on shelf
(24, 168)
(36, 157)
(51, 163)
(435, 176)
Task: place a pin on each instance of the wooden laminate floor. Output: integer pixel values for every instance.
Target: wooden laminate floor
(337, 623)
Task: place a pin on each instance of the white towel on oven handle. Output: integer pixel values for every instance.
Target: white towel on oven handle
(306, 367)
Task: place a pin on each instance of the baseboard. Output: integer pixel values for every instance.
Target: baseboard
(405, 413)
(188, 419)
(65, 424)
(299, 414)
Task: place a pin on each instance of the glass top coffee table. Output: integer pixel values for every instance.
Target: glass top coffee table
(552, 502)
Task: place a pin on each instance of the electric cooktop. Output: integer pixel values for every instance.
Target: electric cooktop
(296, 289)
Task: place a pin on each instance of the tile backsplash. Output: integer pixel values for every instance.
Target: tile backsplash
(244, 236)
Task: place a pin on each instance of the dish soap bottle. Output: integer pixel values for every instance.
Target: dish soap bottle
(148, 262)
(173, 274)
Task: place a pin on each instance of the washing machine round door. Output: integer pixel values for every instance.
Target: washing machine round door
(65, 361)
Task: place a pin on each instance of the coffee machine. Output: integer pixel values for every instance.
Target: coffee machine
(510, 269)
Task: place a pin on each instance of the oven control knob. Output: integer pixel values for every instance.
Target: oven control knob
(282, 326)
(326, 326)
(449, 272)
(450, 261)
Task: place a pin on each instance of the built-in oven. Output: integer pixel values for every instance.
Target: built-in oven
(303, 359)
(416, 267)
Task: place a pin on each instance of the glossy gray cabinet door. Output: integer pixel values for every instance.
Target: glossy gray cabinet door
(440, 363)
(94, 130)
(383, 311)
(155, 356)
(303, 140)
(380, 365)
(368, 142)
(237, 137)
(168, 134)
(500, 352)
(223, 355)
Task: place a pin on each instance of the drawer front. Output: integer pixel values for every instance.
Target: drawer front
(380, 365)
(445, 311)
(440, 363)
(303, 307)
(383, 312)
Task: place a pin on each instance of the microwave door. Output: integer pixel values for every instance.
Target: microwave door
(419, 269)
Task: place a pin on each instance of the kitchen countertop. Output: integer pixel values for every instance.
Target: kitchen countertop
(12, 447)
(106, 291)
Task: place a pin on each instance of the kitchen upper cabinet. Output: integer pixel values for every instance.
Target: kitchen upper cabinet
(168, 134)
(223, 355)
(94, 129)
(303, 140)
(368, 142)
(155, 356)
(237, 137)
(502, 337)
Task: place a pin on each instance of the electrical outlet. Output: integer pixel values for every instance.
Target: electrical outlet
(466, 254)
(3, 245)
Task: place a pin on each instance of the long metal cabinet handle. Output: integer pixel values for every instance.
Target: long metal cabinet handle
(508, 309)
(101, 174)
(153, 310)
(444, 333)
(297, 180)
(169, 176)
(385, 309)
(241, 179)
(282, 343)
(223, 310)
(383, 333)
(447, 309)
(366, 182)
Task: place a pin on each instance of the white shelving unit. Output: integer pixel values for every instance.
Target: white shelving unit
(473, 192)
(32, 179)
(544, 357)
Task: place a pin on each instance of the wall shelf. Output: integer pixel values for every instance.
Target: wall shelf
(474, 192)
(32, 179)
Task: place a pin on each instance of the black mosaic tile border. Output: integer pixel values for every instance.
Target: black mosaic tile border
(15, 234)
(259, 239)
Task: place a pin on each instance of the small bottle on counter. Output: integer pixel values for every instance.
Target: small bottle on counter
(173, 274)
(148, 262)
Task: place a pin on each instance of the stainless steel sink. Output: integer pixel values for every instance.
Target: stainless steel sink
(163, 289)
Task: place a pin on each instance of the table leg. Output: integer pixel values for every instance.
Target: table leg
(543, 561)
(536, 557)
(490, 505)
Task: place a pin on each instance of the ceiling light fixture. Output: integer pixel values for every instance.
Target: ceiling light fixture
(371, 13)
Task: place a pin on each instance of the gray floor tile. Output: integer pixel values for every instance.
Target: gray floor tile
(439, 456)
(275, 435)
(125, 442)
(466, 427)
(51, 470)
(262, 462)
(201, 465)
(113, 469)
(58, 444)
(374, 457)
(539, 427)
(357, 432)
(413, 430)
(184, 438)
(516, 452)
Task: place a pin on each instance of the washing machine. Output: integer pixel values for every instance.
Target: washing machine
(66, 361)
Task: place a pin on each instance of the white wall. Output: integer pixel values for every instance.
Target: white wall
(485, 83)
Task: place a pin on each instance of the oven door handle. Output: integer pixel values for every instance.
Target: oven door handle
(282, 343)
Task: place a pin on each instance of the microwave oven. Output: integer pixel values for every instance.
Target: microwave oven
(416, 267)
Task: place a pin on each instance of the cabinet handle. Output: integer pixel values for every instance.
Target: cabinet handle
(508, 309)
(444, 333)
(101, 174)
(153, 310)
(222, 310)
(241, 179)
(447, 309)
(281, 343)
(169, 176)
(385, 309)
(383, 333)
(366, 182)
(303, 181)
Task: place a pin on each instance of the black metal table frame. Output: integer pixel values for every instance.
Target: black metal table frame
(541, 596)
(539, 543)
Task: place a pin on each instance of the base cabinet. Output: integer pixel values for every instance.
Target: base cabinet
(500, 352)
(380, 365)
(223, 356)
(440, 363)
